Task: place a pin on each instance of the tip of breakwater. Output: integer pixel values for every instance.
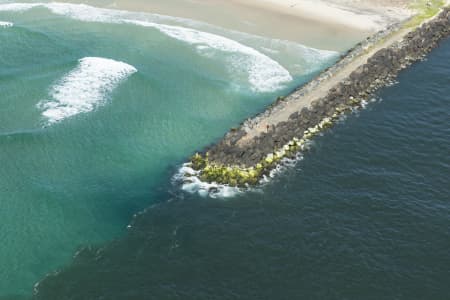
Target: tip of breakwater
(244, 158)
(190, 180)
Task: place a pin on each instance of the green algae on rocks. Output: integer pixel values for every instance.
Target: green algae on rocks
(239, 176)
(236, 165)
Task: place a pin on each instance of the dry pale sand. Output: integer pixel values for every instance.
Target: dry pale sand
(368, 15)
(334, 18)
(331, 24)
(294, 103)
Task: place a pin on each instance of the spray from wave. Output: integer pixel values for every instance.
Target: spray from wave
(6, 24)
(84, 88)
(189, 181)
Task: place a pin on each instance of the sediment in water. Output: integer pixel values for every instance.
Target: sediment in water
(241, 158)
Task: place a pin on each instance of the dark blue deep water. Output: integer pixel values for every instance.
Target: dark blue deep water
(365, 215)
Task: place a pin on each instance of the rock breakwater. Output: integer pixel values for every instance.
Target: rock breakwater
(245, 154)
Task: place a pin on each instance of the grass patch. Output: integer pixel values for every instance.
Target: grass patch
(425, 9)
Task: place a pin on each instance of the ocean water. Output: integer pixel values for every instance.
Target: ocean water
(364, 215)
(99, 108)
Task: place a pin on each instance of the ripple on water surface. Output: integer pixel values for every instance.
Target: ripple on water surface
(365, 215)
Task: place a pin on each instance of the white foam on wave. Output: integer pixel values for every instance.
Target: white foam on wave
(84, 88)
(18, 7)
(284, 165)
(6, 24)
(264, 73)
(190, 182)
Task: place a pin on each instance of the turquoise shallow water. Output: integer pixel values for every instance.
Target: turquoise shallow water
(364, 215)
(99, 107)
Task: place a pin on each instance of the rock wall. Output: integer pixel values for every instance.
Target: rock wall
(379, 70)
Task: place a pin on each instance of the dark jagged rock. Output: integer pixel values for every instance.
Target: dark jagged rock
(379, 71)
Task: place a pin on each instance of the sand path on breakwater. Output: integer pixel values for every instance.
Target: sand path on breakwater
(315, 90)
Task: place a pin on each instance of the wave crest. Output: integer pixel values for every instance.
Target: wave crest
(264, 73)
(84, 88)
(6, 24)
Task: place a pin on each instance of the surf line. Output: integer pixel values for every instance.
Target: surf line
(264, 74)
(249, 153)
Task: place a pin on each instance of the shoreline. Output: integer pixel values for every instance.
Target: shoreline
(334, 25)
(363, 15)
(251, 151)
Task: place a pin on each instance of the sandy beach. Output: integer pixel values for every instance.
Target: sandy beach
(255, 147)
(331, 25)
(361, 15)
(295, 102)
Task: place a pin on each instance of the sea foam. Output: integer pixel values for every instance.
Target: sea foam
(188, 179)
(84, 88)
(264, 74)
(18, 7)
(6, 24)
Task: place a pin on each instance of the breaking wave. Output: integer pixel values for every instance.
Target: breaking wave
(263, 73)
(6, 24)
(84, 88)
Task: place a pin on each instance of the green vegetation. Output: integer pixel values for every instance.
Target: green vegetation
(242, 176)
(425, 9)
(238, 176)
